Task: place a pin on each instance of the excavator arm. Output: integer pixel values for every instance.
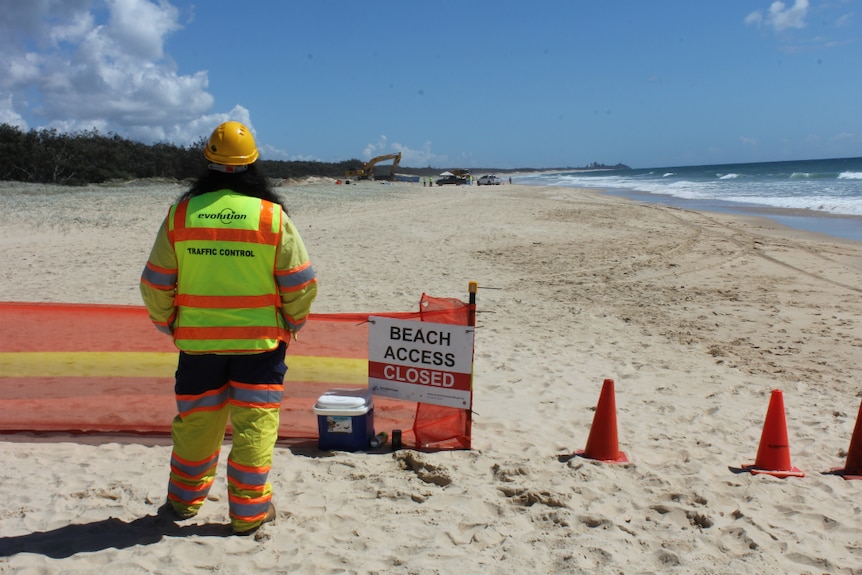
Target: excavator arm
(366, 172)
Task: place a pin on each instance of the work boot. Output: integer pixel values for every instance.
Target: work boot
(169, 511)
(269, 517)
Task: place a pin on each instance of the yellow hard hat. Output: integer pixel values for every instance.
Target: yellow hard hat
(231, 144)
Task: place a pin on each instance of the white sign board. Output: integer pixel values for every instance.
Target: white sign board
(421, 361)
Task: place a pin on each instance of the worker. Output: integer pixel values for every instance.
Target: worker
(230, 280)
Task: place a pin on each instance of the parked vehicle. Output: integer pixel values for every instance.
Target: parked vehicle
(489, 180)
(450, 180)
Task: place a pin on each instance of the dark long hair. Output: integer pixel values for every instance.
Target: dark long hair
(252, 182)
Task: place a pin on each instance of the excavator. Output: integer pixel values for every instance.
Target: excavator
(366, 172)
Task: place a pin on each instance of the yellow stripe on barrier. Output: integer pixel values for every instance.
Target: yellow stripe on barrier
(321, 369)
(163, 364)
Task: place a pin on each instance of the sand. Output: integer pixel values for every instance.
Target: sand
(697, 317)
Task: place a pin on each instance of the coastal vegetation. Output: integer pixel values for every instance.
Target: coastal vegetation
(51, 157)
(89, 157)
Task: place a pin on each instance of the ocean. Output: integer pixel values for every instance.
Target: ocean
(823, 196)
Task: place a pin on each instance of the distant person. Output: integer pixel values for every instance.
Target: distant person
(430, 182)
(510, 180)
(230, 280)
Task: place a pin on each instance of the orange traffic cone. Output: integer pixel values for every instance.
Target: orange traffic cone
(773, 454)
(602, 443)
(853, 466)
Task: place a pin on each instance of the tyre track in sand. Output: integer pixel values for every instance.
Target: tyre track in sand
(756, 243)
(681, 284)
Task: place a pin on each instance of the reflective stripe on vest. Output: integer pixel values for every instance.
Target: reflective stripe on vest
(227, 296)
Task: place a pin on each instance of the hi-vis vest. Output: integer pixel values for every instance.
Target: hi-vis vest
(227, 299)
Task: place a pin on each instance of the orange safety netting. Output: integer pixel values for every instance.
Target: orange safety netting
(100, 368)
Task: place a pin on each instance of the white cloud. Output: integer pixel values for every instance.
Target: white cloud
(9, 116)
(780, 17)
(409, 156)
(83, 64)
(755, 18)
(269, 152)
(845, 20)
(376, 149)
(191, 130)
(143, 41)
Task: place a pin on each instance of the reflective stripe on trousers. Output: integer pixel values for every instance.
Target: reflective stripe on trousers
(198, 433)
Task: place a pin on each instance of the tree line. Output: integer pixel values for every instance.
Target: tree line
(51, 157)
(48, 156)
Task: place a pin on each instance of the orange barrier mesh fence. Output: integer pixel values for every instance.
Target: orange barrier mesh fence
(84, 368)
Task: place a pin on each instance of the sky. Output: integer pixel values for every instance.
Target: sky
(449, 83)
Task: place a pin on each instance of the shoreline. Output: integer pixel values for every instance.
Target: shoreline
(841, 226)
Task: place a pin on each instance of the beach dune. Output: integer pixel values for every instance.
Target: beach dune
(696, 316)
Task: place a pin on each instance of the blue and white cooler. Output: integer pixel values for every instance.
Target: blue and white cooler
(345, 419)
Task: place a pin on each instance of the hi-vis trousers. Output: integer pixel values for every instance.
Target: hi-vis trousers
(209, 389)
